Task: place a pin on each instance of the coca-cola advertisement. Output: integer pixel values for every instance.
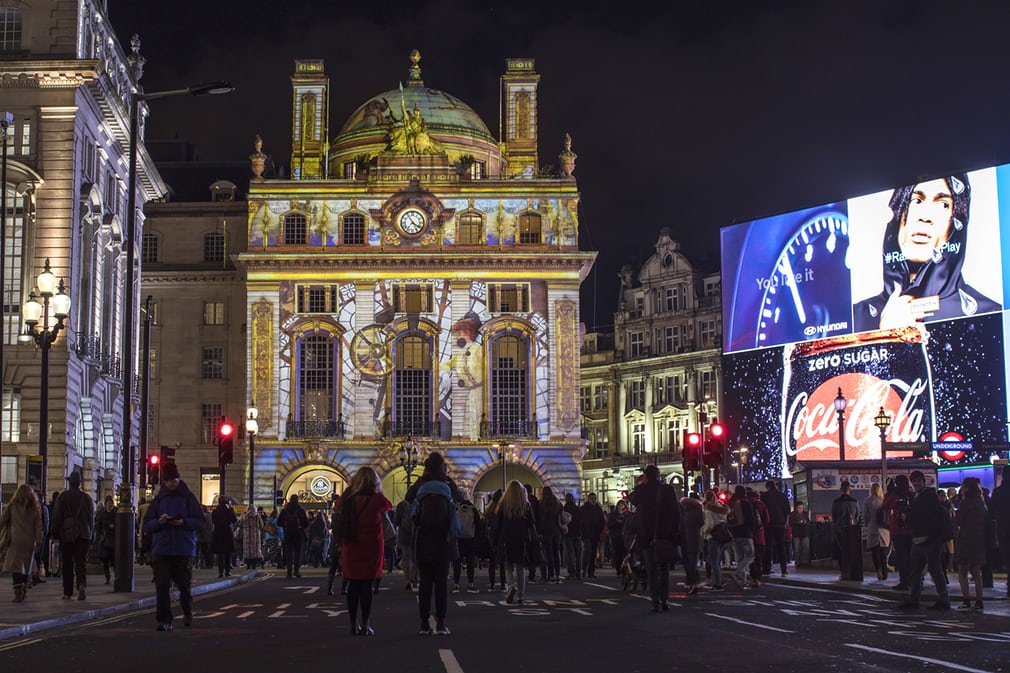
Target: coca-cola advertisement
(934, 381)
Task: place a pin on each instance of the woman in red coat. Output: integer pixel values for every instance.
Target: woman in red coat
(363, 507)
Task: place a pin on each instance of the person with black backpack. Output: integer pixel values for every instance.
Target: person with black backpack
(469, 525)
(436, 529)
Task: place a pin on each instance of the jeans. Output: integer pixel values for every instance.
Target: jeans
(573, 556)
(592, 547)
(73, 556)
(433, 580)
(801, 550)
(517, 577)
(552, 553)
(659, 578)
(293, 555)
(743, 549)
(169, 570)
(921, 557)
(715, 549)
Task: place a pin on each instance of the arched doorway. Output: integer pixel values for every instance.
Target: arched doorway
(315, 486)
(493, 480)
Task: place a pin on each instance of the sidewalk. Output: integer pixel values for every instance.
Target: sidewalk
(45, 608)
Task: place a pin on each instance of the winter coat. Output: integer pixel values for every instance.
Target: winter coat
(971, 517)
(512, 535)
(615, 525)
(362, 545)
(252, 535)
(74, 502)
(25, 537)
(170, 539)
(844, 511)
(222, 540)
(593, 521)
(294, 521)
(692, 518)
(930, 521)
(659, 517)
(715, 514)
(105, 533)
(548, 522)
(435, 547)
(575, 525)
(743, 517)
(778, 507)
(799, 523)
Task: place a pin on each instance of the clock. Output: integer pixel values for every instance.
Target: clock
(412, 221)
(807, 293)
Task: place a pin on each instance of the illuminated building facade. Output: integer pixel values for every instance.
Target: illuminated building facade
(66, 81)
(415, 282)
(657, 377)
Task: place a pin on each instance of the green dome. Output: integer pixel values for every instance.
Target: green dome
(444, 114)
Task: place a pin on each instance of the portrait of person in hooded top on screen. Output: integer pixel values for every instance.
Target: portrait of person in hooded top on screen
(923, 255)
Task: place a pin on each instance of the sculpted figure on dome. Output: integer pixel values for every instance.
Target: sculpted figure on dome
(409, 134)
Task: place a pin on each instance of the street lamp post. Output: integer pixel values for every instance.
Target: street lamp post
(125, 523)
(251, 428)
(883, 421)
(503, 454)
(840, 404)
(409, 457)
(32, 311)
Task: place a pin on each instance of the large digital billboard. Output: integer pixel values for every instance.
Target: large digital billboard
(895, 299)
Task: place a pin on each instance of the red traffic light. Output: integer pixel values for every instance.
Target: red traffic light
(717, 430)
(226, 429)
(693, 440)
(154, 459)
(723, 496)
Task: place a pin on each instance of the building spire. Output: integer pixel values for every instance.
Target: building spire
(414, 77)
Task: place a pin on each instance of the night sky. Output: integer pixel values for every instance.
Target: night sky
(693, 117)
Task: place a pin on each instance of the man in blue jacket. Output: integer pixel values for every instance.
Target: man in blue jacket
(173, 519)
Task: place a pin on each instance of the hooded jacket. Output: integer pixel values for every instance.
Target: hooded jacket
(169, 539)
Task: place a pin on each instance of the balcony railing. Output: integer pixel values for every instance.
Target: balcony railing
(316, 428)
(518, 427)
(88, 346)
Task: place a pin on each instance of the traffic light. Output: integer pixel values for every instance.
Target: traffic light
(168, 454)
(691, 453)
(153, 469)
(723, 496)
(225, 443)
(715, 445)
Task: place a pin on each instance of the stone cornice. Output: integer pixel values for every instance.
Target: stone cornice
(57, 74)
(188, 276)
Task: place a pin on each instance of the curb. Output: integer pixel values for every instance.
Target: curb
(22, 630)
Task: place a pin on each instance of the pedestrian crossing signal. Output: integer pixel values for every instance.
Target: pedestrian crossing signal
(153, 469)
(225, 443)
(691, 453)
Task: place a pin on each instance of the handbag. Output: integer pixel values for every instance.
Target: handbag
(721, 533)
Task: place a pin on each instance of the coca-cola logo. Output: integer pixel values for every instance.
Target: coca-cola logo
(812, 421)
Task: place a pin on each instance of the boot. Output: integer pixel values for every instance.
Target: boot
(19, 593)
(329, 584)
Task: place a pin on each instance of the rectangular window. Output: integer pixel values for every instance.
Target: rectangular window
(213, 247)
(213, 363)
(671, 339)
(477, 169)
(636, 343)
(671, 389)
(9, 470)
(509, 297)
(637, 395)
(601, 442)
(350, 170)
(585, 399)
(600, 397)
(26, 137)
(149, 249)
(708, 385)
(638, 438)
(210, 416)
(10, 30)
(213, 313)
(13, 249)
(707, 333)
(413, 298)
(10, 430)
(317, 298)
(671, 299)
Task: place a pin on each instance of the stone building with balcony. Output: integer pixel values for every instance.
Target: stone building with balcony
(656, 377)
(414, 283)
(66, 82)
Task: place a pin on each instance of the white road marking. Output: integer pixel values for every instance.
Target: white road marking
(862, 597)
(449, 661)
(928, 660)
(599, 586)
(746, 623)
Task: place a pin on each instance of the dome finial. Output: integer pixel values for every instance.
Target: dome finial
(414, 78)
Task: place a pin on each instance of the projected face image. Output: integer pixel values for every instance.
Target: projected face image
(927, 224)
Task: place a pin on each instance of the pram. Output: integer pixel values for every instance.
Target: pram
(633, 573)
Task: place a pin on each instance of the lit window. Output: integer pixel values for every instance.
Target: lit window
(315, 377)
(317, 298)
(509, 297)
(529, 229)
(638, 438)
(213, 313)
(413, 298)
(470, 229)
(10, 430)
(26, 137)
(412, 385)
(509, 393)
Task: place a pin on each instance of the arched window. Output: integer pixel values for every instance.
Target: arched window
(354, 229)
(316, 379)
(412, 385)
(509, 394)
(213, 248)
(470, 229)
(529, 229)
(295, 229)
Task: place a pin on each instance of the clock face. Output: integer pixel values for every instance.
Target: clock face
(411, 221)
(807, 294)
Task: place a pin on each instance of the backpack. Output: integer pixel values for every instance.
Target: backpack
(433, 515)
(467, 521)
(70, 529)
